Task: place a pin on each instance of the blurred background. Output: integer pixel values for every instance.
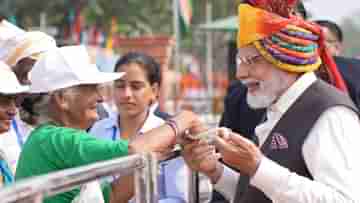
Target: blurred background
(194, 40)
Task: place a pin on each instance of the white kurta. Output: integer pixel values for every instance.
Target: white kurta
(330, 152)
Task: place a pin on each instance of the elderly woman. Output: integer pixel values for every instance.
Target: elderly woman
(9, 88)
(70, 82)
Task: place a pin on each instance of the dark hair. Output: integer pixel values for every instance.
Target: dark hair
(148, 64)
(333, 27)
(300, 8)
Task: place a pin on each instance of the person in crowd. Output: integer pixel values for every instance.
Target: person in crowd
(304, 150)
(192, 92)
(333, 36)
(136, 96)
(9, 89)
(68, 83)
(348, 67)
(20, 50)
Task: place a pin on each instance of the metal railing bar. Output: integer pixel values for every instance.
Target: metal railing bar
(61, 181)
(153, 189)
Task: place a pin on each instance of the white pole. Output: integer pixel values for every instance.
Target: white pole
(43, 21)
(176, 31)
(177, 34)
(209, 53)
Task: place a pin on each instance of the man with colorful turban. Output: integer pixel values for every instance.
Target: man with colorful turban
(306, 148)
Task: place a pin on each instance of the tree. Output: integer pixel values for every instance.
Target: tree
(134, 16)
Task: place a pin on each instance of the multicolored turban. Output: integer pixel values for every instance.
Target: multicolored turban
(285, 40)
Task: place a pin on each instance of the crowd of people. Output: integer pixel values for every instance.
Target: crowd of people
(292, 118)
(63, 92)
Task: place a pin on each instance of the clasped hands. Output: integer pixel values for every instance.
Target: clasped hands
(200, 154)
(203, 155)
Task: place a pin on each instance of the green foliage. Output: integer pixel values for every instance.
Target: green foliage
(134, 17)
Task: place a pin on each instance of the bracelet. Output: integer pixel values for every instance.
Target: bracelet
(173, 126)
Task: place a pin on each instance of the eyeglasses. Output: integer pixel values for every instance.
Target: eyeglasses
(247, 60)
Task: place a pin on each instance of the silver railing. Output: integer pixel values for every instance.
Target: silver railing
(34, 190)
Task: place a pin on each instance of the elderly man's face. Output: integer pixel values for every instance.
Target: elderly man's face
(81, 105)
(265, 82)
(7, 111)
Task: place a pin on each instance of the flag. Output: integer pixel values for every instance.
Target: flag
(185, 12)
(77, 27)
(110, 38)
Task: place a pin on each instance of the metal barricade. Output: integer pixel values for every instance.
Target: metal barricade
(33, 190)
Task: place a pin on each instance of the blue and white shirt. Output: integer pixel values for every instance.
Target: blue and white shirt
(173, 181)
(11, 141)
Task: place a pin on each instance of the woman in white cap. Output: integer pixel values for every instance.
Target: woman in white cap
(9, 88)
(68, 107)
(20, 50)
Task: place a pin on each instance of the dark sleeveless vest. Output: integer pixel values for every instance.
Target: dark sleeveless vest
(284, 143)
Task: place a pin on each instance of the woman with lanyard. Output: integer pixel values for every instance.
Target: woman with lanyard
(9, 89)
(136, 96)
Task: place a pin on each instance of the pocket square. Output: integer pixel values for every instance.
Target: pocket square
(278, 141)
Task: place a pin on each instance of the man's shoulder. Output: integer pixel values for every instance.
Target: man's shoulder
(350, 70)
(328, 96)
(347, 63)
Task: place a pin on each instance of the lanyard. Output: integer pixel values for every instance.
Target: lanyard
(114, 131)
(17, 132)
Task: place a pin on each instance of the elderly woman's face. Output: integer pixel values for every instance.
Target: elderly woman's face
(81, 105)
(7, 111)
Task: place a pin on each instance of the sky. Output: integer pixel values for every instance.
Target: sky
(332, 9)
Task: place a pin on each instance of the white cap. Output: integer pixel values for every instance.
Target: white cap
(9, 30)
(9, 84)
(66, 67)
(23, 45)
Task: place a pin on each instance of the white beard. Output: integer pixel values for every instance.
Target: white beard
(260, 101)
(267, 94)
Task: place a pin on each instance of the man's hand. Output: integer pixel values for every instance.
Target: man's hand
(239, 153)
(202, 157)
(187, 120)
